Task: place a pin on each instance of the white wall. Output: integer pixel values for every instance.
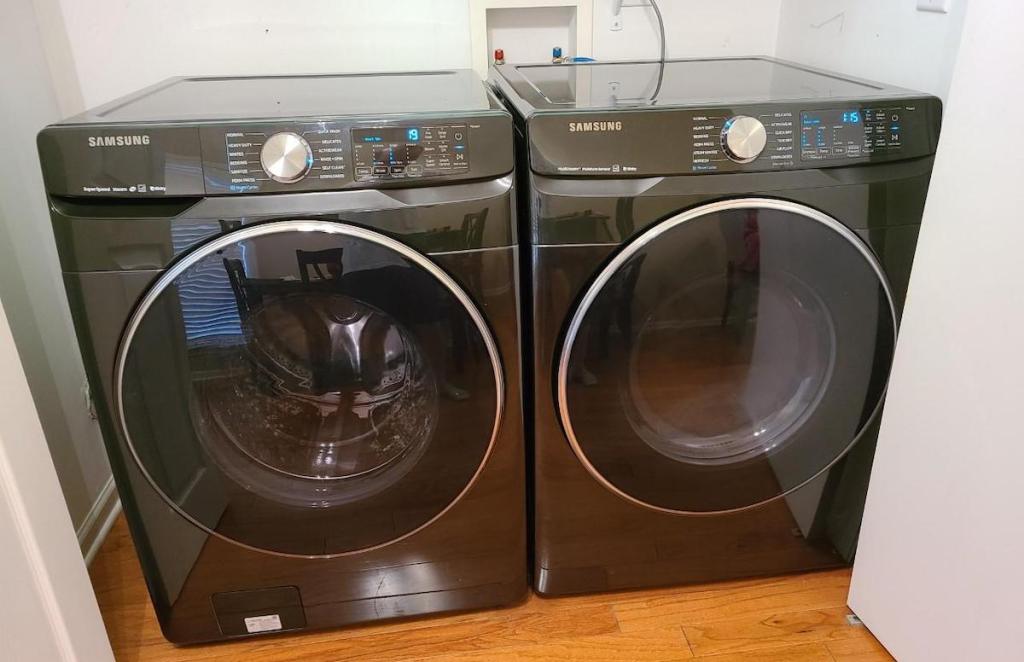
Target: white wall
(938, 576)
(119, 47)
(30, 280)
(694, 29)
(885, 40)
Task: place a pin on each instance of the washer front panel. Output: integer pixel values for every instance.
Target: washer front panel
(309, 388)
(726, 357)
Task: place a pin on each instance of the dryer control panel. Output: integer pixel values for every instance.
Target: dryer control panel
(739, 138)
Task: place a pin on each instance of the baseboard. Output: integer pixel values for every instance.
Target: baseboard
(97, 524)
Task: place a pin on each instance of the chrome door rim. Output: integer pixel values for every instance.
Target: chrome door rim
(327, 227)
(640, 242)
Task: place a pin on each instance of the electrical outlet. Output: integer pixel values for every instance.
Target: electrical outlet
(937, 6)
(616, 23)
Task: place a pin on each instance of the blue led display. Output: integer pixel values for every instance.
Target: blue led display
(851, 117)
(412, 135)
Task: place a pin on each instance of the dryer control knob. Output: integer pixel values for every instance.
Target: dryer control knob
(286, 157)
(743, 138)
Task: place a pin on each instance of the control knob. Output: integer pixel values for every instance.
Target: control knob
(743, 138)
(286, 157)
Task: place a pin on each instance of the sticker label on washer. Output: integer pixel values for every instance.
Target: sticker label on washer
(267, 623)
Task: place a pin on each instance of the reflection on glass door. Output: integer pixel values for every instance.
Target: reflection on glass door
(726, 356)
(353, 401)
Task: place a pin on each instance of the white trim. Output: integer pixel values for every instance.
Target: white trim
(41, 569)
(97, 523)
(481, 59)
(34, 555)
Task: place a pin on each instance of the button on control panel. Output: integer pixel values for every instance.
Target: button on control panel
(409, 151)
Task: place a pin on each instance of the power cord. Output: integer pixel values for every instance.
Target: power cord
(661, 66)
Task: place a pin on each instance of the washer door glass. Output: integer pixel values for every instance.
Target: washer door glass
(726, 356)
(308, 388)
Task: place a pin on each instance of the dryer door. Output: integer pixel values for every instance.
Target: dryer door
(726, 356)
(337, 389)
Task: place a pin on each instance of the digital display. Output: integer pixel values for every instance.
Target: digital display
(829, 134)
(409, 151)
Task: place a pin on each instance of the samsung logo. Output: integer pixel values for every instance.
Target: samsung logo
(117, 141)
(577, 127)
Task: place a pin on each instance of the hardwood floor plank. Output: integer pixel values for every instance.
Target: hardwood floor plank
(864, 648)
(780, 630)
(648, 646)
(799, 653)
(759, 599)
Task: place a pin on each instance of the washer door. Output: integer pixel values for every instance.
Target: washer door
(336, 389)
(726, 357)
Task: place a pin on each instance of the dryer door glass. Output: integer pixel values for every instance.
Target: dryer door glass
(336, 390)
(727, 356)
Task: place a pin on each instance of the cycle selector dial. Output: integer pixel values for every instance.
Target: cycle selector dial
(743, 138)
(286, 157)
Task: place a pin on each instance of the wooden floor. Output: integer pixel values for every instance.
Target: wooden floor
(791, 619)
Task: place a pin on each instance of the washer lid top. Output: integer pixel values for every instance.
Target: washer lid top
(267, 97)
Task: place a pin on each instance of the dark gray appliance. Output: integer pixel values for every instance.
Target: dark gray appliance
(296, 299)
(718, 256)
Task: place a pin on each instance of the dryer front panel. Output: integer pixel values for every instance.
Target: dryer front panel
(726, 356)
(308, 388)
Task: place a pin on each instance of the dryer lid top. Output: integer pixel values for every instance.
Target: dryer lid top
(609, 85)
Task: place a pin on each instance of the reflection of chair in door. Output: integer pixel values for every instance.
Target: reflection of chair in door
(329, 259)
(472, 237)
(473, 228)
(584, 226)
(743, 277)
(247, 298)
(620, 288)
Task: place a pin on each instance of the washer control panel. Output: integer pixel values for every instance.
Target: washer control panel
(383, 153)
(293, 156)
(277, 155)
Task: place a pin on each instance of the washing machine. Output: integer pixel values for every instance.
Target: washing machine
(296, 297)
(717, 254)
